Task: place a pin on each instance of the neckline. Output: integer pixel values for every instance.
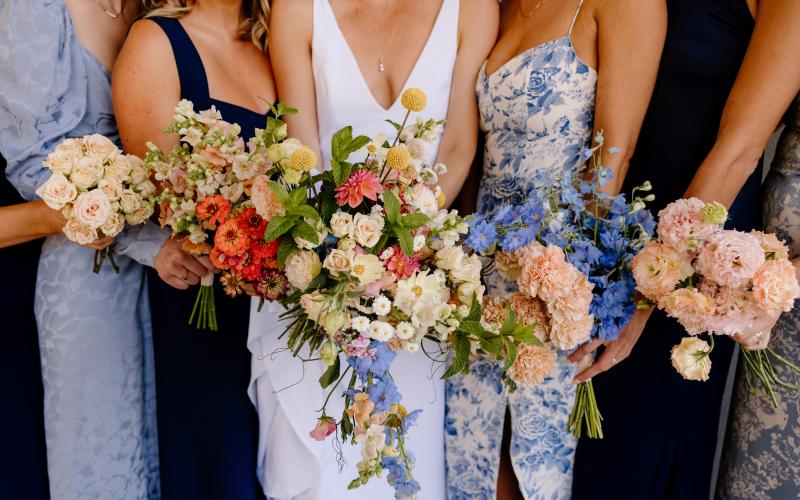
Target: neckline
(205, 77)
(535, 48)
(353, 59)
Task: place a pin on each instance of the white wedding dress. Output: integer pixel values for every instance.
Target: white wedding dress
(285, 391)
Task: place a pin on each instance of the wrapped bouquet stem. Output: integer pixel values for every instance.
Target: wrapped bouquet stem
(204, 312)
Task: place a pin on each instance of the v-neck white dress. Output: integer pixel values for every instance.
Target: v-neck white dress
(286, 392)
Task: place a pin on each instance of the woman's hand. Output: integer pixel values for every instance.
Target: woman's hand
(615, 351)
(100, 243)
(177, 267)
(757, 336)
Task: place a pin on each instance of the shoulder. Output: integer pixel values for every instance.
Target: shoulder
(625, 10)
(478, 20)
(148, 36)
(291, 20)
(146, 46)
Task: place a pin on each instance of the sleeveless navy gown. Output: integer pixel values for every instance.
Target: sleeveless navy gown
(207, 427)
(661, 430)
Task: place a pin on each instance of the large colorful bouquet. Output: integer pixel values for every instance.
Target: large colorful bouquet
(597, 234)
(375, 265)
(717, 281)
(98, 190)
(207, 182)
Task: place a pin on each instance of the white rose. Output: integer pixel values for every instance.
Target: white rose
(79, 233)
(146, 189)
(100, 145)
(92, 208)
(113, 225)
(341, 224)
(338, 261)
(138, 174)
(302, 267)
(424, 200)
(112, 189)
(61, 161)
(347, 245)
(689, 359)
(139, 216)
(86, 172)
(119, 168)
(450, 258)
(129, 201)
(468, 271)
(57, 191)
(367, 230)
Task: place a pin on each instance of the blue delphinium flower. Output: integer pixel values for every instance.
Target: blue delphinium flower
(383, 393)
(377, 362)
(396, 475)
(482, 234)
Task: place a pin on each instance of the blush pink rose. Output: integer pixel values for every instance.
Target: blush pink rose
(681, 224)
(775, 286)
(658, 269)
(92, 208)
(730, 258)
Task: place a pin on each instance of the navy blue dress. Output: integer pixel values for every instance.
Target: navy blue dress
(207, 427)
(23, 463)
(660, 430)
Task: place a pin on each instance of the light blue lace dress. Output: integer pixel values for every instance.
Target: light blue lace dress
(94, 329)
(536, 112)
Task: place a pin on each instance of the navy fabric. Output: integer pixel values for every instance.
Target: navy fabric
(207, 427)
(661, 430)
(23, 463)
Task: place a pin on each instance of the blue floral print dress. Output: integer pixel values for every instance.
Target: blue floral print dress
(536, 113)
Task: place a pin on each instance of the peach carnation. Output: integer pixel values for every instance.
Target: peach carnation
(532, 365)
(569, 334)
(658, 268)
(509, 264)
(547, 275)
(730, 258)
(775, 286)
(493, 313)
(531, 311)
(682, 226)
(574, 305)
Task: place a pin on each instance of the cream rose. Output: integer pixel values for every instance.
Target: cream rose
(302, 267)
(61, 161)
(99, 145)
(338, 261)
(140, 215)
(341, 224)
(119, 168)
(129, 201)
(367, 230)
(92, 208)
(112, 189)
(57, 191)
(86, 172)
(424, 200)
(113, 225)
(690, 358)
(79, 233)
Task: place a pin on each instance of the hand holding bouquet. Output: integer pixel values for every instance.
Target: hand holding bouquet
(717, 281)
(98, 190)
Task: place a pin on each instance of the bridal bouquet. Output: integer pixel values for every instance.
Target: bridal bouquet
(717, 281)
(373, 266)
(207, 182)
(570, 246)
(98, 190)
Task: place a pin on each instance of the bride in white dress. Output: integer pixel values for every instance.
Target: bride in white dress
(346, 62)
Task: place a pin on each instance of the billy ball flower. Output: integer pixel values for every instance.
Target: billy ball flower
(304, 159)
(398, 157)
(414, 99)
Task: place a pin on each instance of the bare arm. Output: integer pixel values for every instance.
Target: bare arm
(768, 80)
(27, 221)
(630, 38)
(478, 24)
(290, 53)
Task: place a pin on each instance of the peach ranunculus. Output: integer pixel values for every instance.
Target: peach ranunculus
(57, 191)
(690, 307)
(730, 258)
(775, 286)
(569, 334)
(658, 268)
(532, 365)
(92, 208)
(265, 201)
(682, 226)
(690, 358)
(79, 233)
(547, 275)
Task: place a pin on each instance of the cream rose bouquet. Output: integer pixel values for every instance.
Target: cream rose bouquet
(715, 281)
(376, 269)
(98, 190)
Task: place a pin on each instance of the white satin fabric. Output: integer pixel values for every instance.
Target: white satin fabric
(285, 391)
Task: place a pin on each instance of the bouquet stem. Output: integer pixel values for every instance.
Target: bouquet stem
(204, 312)
(100, 257)
(585, 411)
(759, 365)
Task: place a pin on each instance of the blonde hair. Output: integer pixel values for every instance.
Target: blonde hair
(254, 17)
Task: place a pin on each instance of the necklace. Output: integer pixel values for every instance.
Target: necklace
(112, 15)
(530, 12)
(379, 56)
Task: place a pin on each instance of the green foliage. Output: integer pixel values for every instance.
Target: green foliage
(461, 351)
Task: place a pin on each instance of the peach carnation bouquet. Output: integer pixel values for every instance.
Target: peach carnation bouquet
(715, 281)
(98, 189)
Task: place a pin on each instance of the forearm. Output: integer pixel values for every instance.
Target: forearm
(459, 162)
(26, 222)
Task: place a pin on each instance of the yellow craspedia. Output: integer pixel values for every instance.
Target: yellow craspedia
(304, 159)
(398, 157)
(414, 99)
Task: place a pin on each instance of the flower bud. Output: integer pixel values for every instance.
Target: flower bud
(328, 353)
(714, 213)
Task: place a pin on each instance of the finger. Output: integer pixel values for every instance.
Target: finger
(603, 363)
(192, 264)
(584, 350)
(174, 282)
(206, 261)
(190, 278)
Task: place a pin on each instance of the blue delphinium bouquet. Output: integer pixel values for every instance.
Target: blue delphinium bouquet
(598, 233)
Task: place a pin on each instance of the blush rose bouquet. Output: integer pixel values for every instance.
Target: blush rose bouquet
(98, 189)
(715, 281)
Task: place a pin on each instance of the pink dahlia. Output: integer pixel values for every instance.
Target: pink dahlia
(361, 184)
(400, 264)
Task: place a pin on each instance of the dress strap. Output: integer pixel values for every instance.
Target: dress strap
(191, 72)
(575, 18)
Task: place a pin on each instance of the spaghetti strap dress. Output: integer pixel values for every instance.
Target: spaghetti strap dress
(208, 429)
(661, 431)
